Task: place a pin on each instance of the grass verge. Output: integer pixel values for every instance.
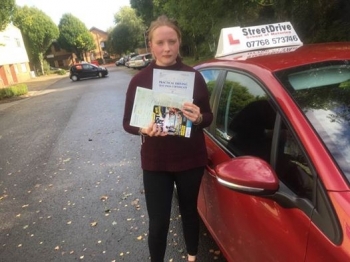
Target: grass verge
(12, 91)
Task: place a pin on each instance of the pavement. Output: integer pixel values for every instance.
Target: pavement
(42, 82)
(38, 85)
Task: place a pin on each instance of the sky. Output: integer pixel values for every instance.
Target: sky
(99, 14)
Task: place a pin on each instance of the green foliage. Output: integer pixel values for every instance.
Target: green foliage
(211, 85)
(15, 90)
(38, 31)
(61, 72)
(144, 9)
(46, 67)
(128, 33)
(201, 20)
(74, 36)
(118, 41)
(49, 71)
(239, 100)
(6, 11)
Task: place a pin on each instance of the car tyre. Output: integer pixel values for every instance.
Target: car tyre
(100, 74)
(75, 78)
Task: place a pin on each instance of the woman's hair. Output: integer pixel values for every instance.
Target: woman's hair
(163, 20)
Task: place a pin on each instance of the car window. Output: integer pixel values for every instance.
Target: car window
(87, 66)
(210, 76)
(292, 165)
(322, 91)
(243, 116)
(245, 124)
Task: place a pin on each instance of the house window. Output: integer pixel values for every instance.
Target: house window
(23, 68)
(6, 39)
(18, 42)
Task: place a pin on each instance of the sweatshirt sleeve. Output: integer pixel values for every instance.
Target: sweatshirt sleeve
(129, 103)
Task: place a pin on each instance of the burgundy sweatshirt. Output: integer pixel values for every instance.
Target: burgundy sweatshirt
(171, 153)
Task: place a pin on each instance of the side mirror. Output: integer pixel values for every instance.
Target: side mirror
(249, 175)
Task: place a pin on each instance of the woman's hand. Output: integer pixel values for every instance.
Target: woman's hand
(153, 130)
(192, 112)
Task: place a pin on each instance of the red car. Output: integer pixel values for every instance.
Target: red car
(276, 187)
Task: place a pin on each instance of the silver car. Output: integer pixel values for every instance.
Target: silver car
(140, 61)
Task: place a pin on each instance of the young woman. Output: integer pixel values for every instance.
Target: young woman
(168, 159)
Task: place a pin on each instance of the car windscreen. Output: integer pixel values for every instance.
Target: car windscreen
(322, 91)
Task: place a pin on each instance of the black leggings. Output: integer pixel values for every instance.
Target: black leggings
(159, 188)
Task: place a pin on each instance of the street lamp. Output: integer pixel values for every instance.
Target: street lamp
(144, 37)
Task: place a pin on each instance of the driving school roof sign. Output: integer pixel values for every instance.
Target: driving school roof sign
(242, 39)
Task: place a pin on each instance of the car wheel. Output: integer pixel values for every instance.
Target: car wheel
(100, 74)
(74, 78)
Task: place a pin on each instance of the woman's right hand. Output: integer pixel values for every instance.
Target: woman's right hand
(153, 130)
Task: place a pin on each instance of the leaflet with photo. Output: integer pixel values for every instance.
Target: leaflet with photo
(170, 90)
(146, 99)
(172, 120)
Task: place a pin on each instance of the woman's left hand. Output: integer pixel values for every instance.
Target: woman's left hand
(192, 112)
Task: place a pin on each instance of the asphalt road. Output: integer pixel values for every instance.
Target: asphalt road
(70, 182)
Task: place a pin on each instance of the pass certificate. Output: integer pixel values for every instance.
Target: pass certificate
(174, 82)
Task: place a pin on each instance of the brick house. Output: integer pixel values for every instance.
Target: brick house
(100, 37)
(58, 57)
(14, 62)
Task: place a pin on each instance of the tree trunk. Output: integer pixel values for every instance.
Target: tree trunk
(41, 62)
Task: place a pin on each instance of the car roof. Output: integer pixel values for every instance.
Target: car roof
(84, 63)
(285, 58)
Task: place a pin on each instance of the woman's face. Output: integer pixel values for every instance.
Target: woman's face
(165, 45)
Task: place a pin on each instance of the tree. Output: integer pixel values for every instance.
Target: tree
(129, 31)
(316, 21)
(118, 42)
(201, 20)
(144, 9)
(6, 11)
(38, 31)
(74, 36)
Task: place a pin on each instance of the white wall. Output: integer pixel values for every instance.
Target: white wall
(12, 49)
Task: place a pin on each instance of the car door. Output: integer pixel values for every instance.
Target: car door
(86, 71)
(249, 227)
(90, 70)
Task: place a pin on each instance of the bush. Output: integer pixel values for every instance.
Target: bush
(15, 90)
(110, 61)
(46, 67)
(61, 72)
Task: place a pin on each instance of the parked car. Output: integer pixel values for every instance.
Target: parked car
(128, 57)
(140, 61)
(131, 59)
(120, 62)
(277, 183)
(86, 70)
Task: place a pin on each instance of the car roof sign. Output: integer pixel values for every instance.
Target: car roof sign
(235, 40)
